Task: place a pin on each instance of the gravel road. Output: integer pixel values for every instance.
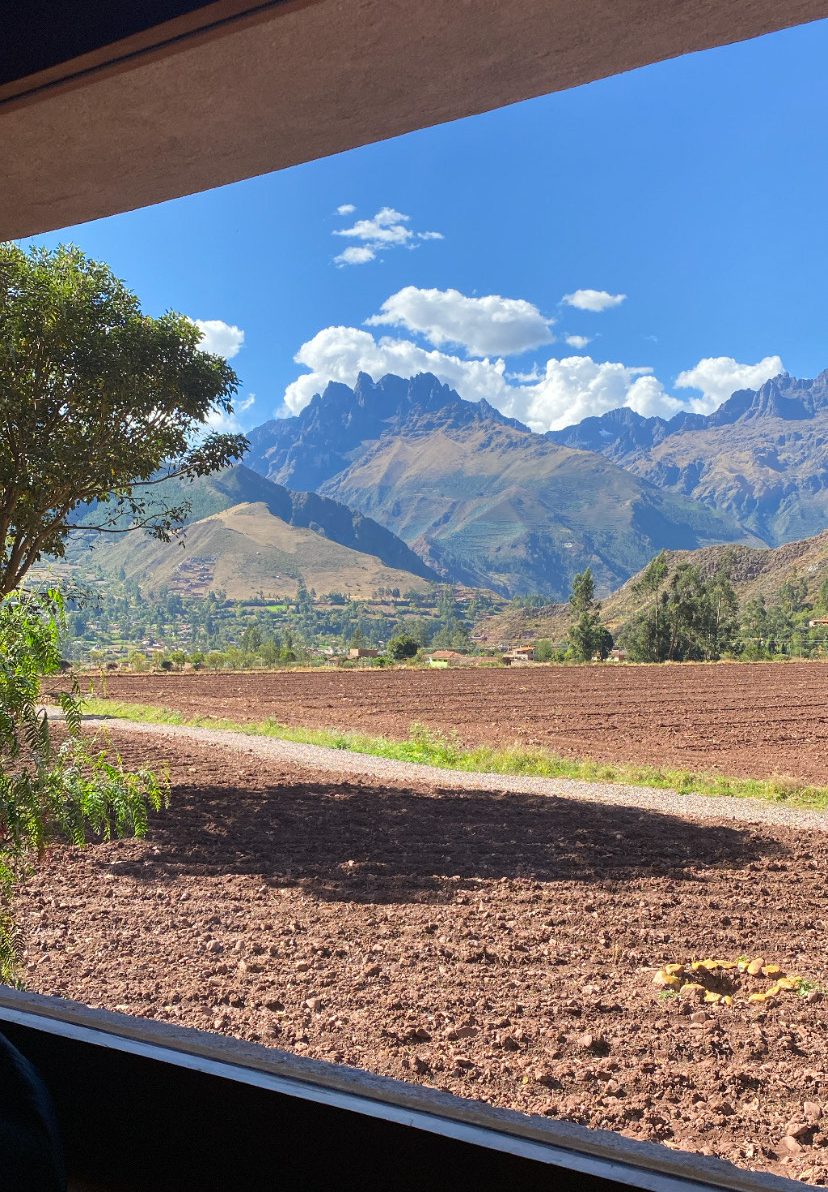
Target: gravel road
(356, 765)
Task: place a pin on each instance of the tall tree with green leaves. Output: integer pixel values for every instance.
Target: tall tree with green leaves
(452, 631)
(690, 616)
(99, 404)
(723, 616)
(823, 596)
(753, 629)
(587, 636)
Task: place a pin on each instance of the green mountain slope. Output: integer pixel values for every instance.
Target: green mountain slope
(247, 551)
(499, 507)
(247, 535)
(753, 572)
(239, 484)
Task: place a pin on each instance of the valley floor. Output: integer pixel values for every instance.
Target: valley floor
(753, 720)
(499, 945)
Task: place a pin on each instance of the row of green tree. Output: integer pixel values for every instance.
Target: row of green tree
(687, 614)
(118, 620)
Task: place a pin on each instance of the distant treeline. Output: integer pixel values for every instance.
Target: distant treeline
(118, 621)
(685, 614)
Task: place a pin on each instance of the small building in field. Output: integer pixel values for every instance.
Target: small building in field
(520, 654)
(361, 652)
(436, 657)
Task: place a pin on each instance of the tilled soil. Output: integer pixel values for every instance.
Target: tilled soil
(744, 719)
(500, 946)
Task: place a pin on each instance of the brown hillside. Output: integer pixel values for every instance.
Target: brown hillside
(245, 550)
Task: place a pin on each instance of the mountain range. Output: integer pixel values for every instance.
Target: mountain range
(761, 458)
(479, 496)
(392, 480)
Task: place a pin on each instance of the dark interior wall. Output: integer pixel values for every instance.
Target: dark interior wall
(130, 1124)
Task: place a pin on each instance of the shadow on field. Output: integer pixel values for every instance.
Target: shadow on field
(369, 843)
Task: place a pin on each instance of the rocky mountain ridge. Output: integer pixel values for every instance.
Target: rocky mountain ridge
(479, 495)
(761, 458)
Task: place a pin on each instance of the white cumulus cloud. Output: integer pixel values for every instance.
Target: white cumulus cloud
(345, 209)
(220, 338)
(579, 387)
(593, 300)
(487, 326)
(720, 376)
(387, 229)
(547, 394)
(355, 254)
(564, 392)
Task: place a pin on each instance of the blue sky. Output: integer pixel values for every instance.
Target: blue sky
(695, 188)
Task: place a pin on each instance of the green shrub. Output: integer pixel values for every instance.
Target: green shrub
(51, 791)
(402, 646)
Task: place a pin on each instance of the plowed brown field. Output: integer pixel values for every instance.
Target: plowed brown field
(500, 946)
(743, 719)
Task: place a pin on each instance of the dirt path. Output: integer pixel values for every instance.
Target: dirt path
(751, 720)
(344, 764)
(431, 927)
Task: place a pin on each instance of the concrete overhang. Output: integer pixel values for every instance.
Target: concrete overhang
(231, 89)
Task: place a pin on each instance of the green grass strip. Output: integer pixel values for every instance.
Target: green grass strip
(430, 748)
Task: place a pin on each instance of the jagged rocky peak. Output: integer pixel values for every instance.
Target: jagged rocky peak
(785, 397)
(305, 450)
(400, 399)
(621, 431)
(761, 457)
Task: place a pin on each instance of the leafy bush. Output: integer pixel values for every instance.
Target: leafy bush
(544, 650)
(403, 646)
(51, 791)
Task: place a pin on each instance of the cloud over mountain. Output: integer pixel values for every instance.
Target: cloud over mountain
(578, 386)
(719, 376)
(487, 326)
(489, 329)
(342, 353)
